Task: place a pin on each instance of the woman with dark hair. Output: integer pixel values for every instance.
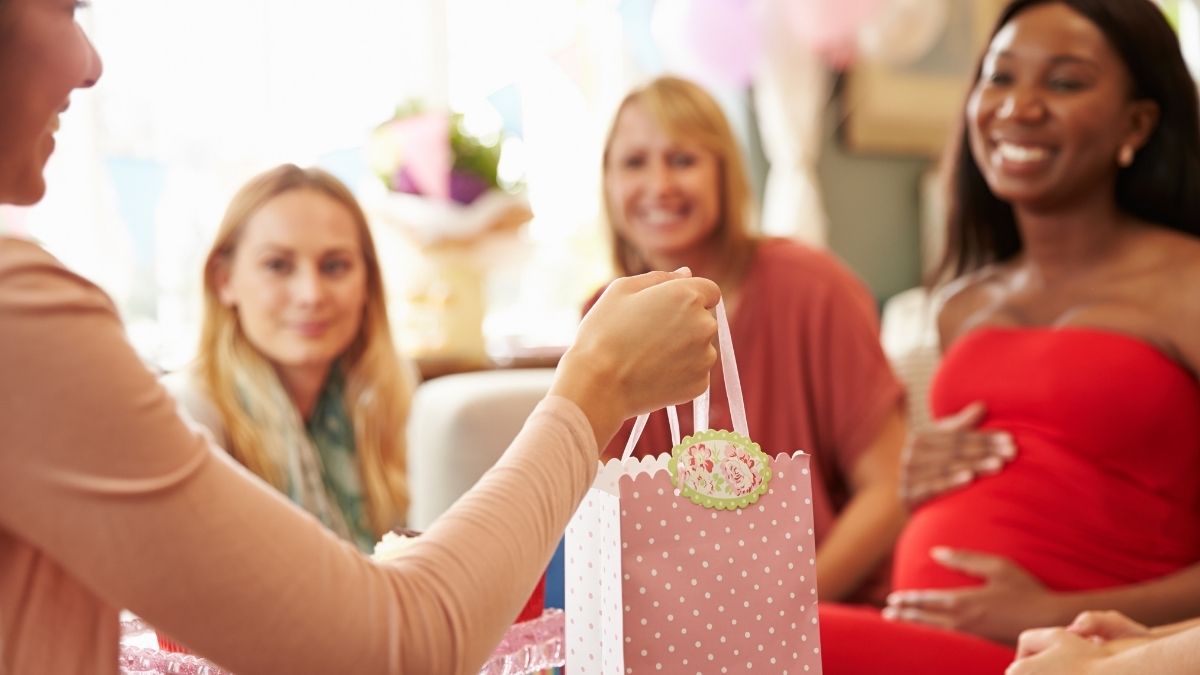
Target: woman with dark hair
(1069, 313)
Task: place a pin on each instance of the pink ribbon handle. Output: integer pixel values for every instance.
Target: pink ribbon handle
(733, 390)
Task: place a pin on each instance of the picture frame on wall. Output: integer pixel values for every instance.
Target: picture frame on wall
(912, 109)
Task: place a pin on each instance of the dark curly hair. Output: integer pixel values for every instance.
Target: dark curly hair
(1161, 186)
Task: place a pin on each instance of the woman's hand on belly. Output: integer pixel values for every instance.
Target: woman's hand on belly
(1009, 601)
(950, 453)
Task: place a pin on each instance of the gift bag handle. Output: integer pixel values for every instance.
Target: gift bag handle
(733, 391)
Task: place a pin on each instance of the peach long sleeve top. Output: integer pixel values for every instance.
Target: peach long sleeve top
(108, 500)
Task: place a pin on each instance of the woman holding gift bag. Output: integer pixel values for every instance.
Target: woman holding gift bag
(812, 366)
(108, 499)
(297, 375)
(1074, 246)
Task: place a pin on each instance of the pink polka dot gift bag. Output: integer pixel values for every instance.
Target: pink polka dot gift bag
(700, 560)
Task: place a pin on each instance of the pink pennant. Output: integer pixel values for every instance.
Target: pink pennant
(425, 140)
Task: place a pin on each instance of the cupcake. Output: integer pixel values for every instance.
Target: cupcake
(393, 544)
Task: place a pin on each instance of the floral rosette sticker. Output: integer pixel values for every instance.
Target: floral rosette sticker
(720, 470)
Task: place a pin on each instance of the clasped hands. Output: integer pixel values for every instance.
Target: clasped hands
(1080, 647)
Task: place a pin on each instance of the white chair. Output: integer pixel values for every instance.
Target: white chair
(459, 426)
(910, 340)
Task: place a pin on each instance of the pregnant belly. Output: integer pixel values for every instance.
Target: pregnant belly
(1072, 535)
(962, 523)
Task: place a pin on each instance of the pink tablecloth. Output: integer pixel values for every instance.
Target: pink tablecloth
(526, 648)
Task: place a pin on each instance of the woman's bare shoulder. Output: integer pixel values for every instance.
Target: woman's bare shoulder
(963, 297)
(1167, 263)
(1173, 257)
(1181, 293)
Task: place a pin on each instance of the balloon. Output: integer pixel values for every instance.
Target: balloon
(724, 35)
(904, 31)
(829, 27)
(715, 42)
(667, 25)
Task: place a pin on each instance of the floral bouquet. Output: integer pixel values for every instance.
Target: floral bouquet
(429, 153)
(442, 181)
(442, 192)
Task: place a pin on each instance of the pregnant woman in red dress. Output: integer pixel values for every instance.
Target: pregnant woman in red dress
(1072, 313)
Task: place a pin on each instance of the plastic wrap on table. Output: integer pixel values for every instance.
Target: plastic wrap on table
(527, 647)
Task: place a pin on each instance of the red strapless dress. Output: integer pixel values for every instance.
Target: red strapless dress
(1104, 491)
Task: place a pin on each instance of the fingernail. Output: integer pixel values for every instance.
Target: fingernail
(890, 614)
(991, 463)
(685, 270)
(1005, 447)
(941, 553)
(961, 476)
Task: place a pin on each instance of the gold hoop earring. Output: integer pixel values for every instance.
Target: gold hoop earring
(1125, 156)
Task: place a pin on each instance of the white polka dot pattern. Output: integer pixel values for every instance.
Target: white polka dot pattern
(703, 591)
(593, 587)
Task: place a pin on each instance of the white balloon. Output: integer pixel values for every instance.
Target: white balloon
(668, 25)
(903, 31)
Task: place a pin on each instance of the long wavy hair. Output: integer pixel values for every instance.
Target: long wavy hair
(243, 383)
(686, 111)
(1161, 186)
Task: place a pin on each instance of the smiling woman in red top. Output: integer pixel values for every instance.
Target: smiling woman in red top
(1071, 314)
(814, 374)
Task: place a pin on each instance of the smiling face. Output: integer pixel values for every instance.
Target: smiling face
(44, 56)
(297, 280)
(663, 191)
(1052, 109)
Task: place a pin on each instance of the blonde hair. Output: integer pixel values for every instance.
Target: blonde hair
(377, 390)
(686, 111)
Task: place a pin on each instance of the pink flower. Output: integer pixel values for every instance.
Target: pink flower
(740, 474)
(700, 457)
(739, 469)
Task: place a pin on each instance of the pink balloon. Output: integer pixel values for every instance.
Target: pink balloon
(724, 36)
(904, 31)
(830, 27)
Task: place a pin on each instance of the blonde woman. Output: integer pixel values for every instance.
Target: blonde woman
(297, 377)
(812, 368)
